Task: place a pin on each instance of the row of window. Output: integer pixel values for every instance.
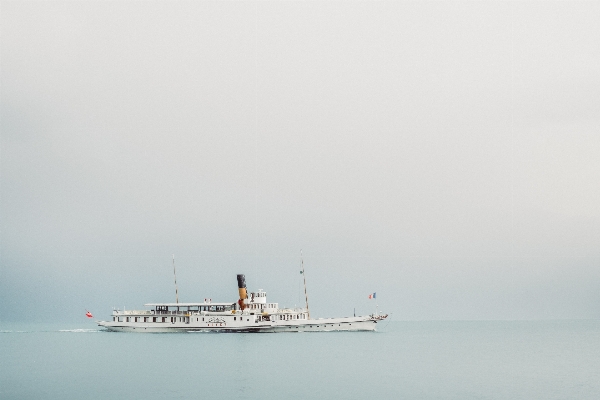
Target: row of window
(234, 318)
(175, 310)
(147, 319)
(162, 319)
(259, 306)
(287, 317)
(318, 326)
(284, 317)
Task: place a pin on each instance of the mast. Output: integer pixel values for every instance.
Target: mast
(304, 276)
(175, 274)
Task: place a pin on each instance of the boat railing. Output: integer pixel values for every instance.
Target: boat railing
(160, 312)
(133, 312)
(291, 310)
(172, 312)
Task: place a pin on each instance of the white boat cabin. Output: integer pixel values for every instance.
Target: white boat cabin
(257, 310)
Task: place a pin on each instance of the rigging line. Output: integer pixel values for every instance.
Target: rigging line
(305, 292)
(386, 325)
(175, 274)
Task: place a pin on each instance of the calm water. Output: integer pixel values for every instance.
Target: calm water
(410, 360)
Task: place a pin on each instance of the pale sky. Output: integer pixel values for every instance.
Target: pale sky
(445, 155)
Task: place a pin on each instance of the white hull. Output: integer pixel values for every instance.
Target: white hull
(317, 325)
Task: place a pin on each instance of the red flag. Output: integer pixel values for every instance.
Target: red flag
(89, 314)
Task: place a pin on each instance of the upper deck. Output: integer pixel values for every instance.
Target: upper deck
(179, 309)
(254, 305)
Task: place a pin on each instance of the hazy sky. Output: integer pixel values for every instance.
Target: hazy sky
(443, 154)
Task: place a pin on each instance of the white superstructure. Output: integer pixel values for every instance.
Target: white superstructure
(251, 313)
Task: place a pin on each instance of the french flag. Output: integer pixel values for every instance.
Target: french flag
(373, 296)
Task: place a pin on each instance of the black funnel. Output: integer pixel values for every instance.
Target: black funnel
(241, 281)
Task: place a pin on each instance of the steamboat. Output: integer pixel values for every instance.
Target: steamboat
(251, 313)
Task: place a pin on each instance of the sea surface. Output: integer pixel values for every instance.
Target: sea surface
(404, 360)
